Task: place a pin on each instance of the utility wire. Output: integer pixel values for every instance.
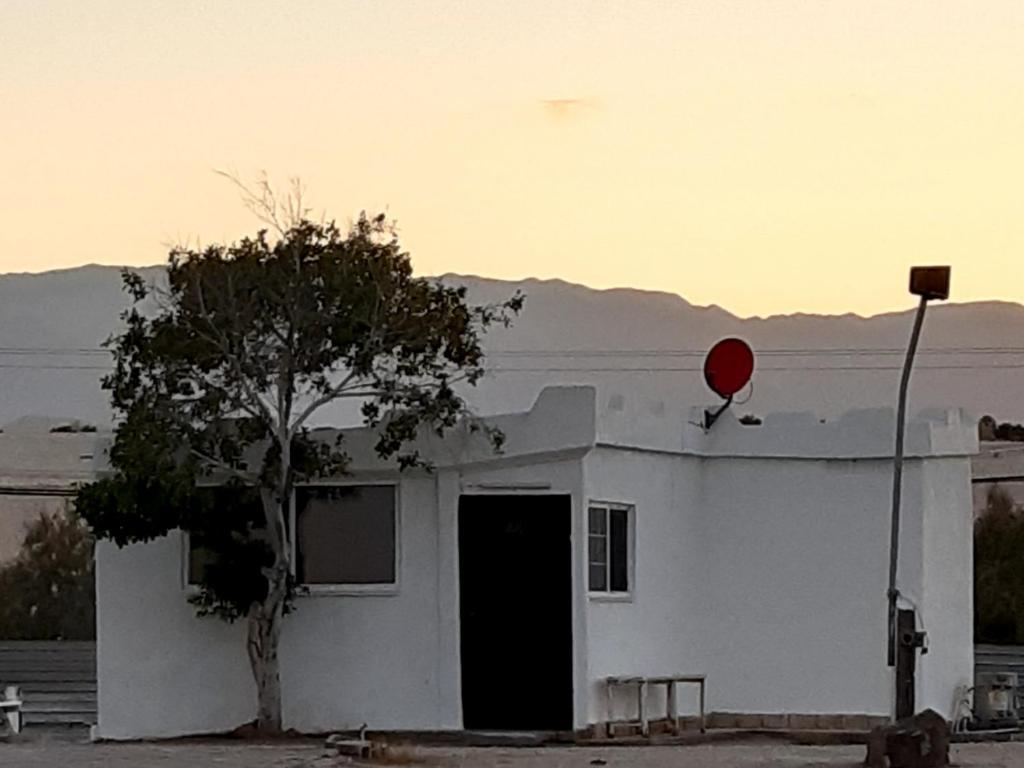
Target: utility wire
(574, 353)
(760, 369)
(616, 369)
(570, 355)
(581, 352)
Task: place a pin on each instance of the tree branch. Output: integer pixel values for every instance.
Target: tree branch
(221, 342)
(263, 206)
(333, 394)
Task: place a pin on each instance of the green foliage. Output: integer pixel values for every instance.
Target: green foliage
(999, 571)
(226, 525)
(47, 592)
(1010, 432)
(250, 340)
(989, 429)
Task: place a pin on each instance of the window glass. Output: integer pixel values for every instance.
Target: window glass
(618, 535)
(608, 548)
(597, 549)
(345, 534)
(199, 559)
(598, 576)
(223, 516)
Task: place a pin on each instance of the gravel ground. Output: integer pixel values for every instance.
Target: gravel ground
(768, 754)
(43, 750)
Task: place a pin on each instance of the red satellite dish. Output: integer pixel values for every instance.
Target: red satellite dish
(728, 367)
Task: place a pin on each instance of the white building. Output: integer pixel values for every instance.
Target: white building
(500, 590)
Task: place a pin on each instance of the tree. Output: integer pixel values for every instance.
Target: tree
(249, 342)
(999, 571)
(989, 430)
(48, 591)
(1010, 432)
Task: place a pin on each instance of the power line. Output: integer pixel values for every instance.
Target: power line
(816, 368)
(612, 369)
(54, 367)
(582, 352)
(70, 351)
(781, 352)
(621, 368)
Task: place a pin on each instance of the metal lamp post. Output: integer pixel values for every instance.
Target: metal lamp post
(930, 283)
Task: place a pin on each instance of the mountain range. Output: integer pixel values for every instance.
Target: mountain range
(640, 344)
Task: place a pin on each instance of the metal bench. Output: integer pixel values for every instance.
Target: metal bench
(10, 708)
(642, 684)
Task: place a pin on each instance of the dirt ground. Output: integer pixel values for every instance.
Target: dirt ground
(36, 751)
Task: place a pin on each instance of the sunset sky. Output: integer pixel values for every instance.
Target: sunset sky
(764, 156)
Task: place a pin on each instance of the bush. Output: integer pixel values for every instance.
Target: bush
(999, 571)
(48, 591)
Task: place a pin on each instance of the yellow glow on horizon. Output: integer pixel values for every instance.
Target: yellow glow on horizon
(775, 157)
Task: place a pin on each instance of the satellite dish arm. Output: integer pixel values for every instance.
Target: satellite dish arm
(710, 417)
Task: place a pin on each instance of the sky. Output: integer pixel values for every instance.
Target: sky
(767, 157)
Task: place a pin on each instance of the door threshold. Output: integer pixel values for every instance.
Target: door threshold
(500, 738)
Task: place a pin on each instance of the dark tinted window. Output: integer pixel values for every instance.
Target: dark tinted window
(608, 549)
(221, 516)
(618, 538)
(345, 534)
(597, 543)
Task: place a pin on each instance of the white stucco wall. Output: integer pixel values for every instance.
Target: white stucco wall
(345, 659)
(948, 585)
(162, 671)
(797, 583)
(770, 576)
(660, 628)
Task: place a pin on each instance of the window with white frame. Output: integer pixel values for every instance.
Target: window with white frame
(608, 541)
(346, 535)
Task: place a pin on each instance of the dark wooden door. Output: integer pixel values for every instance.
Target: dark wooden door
(515, 579)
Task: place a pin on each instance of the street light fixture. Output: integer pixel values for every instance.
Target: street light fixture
(930, 283)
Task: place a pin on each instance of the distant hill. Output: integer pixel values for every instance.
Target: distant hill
(639, 343)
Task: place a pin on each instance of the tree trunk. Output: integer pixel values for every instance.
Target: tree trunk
(264, 634)
(265, 618)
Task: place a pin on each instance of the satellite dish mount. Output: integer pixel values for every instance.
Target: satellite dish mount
(727, 369)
